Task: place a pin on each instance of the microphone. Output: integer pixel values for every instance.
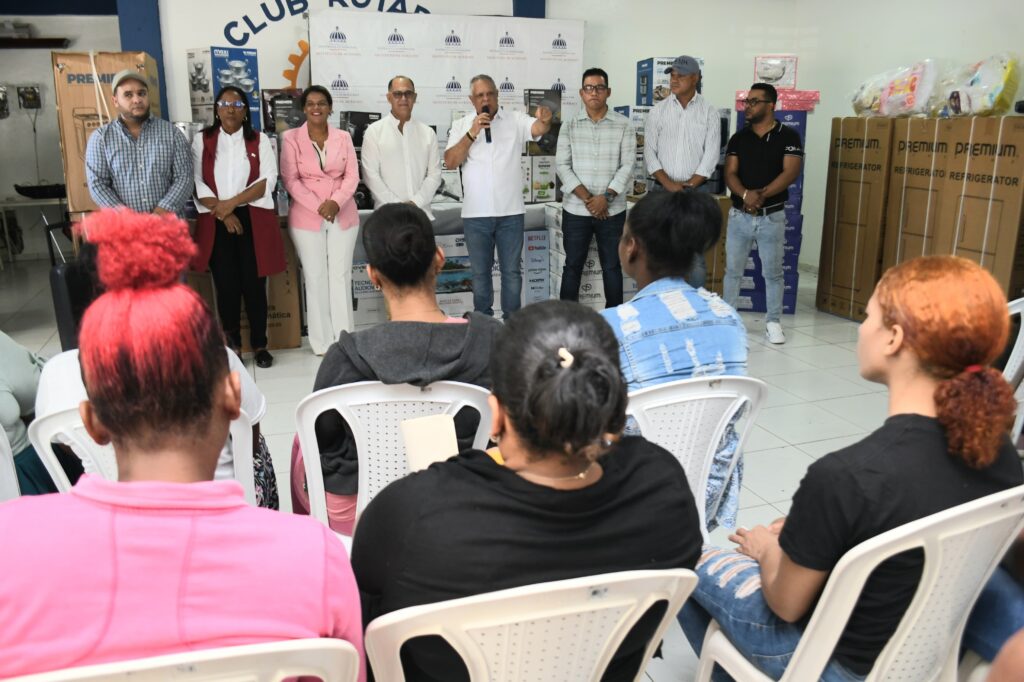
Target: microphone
(487, 130)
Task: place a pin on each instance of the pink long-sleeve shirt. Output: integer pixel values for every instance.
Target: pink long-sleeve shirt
(309, 185)
(113, 571)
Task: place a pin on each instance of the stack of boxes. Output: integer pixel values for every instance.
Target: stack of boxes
(898, 189)
(637, 116)
(752, 286)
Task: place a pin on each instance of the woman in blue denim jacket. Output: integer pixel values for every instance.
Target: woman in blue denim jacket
(670, 330)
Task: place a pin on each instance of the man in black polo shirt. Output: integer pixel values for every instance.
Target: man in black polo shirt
(761, 161)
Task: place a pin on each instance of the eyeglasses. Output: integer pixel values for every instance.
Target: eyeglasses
(755, 102)
(591, 89)
(403, 94)
(310, 104)
(233, 105)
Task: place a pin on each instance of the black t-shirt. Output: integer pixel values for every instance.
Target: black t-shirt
(760, 159)
(900, 473)
(469, 525)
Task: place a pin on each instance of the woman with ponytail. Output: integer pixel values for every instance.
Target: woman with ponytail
(669, 330)
(164, 559)
(933, 326)
(570, 499)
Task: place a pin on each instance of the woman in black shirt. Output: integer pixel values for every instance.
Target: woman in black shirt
(566, 503)
(933, 325)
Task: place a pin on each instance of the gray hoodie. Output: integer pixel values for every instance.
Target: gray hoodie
(417, 353)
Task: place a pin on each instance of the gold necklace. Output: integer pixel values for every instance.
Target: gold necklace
(556, 479)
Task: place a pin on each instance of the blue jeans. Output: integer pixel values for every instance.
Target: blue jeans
(769, 233)
(738, 605)
(698, 272)
(482, 236)
(997, 615)
(578, 231)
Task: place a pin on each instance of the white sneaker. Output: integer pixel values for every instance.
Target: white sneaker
(773, 332)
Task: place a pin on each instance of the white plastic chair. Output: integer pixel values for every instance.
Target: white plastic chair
(374, 413)
(566, 630)
(9, 488)
(1014, 370)
(66, 426)
(332, 660)
(962, 547)
(689, 417)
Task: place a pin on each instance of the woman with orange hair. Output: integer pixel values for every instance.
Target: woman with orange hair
(933, 326)
(164, 559)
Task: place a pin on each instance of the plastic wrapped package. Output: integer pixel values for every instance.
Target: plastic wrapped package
(984, 88)
(868, 98)
(904, 91)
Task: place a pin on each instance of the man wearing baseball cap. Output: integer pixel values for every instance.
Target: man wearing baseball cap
(682, 142)
(137, 160)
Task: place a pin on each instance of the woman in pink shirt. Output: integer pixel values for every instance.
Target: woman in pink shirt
(320, 172)
(165, 559)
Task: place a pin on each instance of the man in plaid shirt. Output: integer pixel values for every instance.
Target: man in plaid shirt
(595, 157)
(138, 161)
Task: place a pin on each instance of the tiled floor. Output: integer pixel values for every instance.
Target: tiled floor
(817, 403)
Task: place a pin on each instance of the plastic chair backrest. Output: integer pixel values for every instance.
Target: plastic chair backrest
(689, 417)
(9, 488)
(567, 630)
(66, 426)
(332, 660)
(962, 547)
(374, 413)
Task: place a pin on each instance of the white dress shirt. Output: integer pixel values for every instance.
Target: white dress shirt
(492, 175)
(401, 165)
(231, 169)
(683, 141)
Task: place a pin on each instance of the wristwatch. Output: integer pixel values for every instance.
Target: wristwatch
(609, 196)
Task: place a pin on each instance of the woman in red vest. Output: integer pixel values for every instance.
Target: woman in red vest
(238, 233)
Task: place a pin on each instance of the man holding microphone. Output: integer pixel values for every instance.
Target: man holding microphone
(488, 145)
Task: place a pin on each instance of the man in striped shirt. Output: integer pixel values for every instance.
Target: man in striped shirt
(137, 160)
(595, 157)
(682, 141)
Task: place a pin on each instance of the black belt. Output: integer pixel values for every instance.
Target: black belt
(765, 211)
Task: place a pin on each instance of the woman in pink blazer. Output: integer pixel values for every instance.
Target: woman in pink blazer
(320, 172)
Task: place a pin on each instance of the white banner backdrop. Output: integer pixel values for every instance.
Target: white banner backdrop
(355, 55)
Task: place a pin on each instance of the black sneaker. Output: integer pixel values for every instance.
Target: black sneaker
(263, 358)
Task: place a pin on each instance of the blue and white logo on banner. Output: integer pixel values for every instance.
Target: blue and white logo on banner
(506, 86)
(559, 43)
(339, 84)
(506, 41)
(452, 40)
(396, 38)
(337, 37)
(558, 85)
(453, 85)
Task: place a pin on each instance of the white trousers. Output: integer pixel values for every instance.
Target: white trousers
(326, 258)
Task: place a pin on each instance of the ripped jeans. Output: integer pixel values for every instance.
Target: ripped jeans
(729, 590)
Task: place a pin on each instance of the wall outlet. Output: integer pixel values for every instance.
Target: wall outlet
(29, 98)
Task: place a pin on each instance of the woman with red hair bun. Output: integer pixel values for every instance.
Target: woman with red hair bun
(933, 326)
(165, 559)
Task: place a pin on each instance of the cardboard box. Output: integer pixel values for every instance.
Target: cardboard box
(637, 116)
(542, 178)
(201, 80)
(652, 83)
(980, 210)
(715, 257)
(81, 108)
(916, 184)
(853, 226)
(526, 163)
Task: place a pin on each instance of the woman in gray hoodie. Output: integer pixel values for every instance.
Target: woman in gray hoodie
(419, 345)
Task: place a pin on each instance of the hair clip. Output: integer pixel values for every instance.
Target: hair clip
(567, 357)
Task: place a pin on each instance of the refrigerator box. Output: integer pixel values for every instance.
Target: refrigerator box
(853, 225)
(82, 108)
(980, 210)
